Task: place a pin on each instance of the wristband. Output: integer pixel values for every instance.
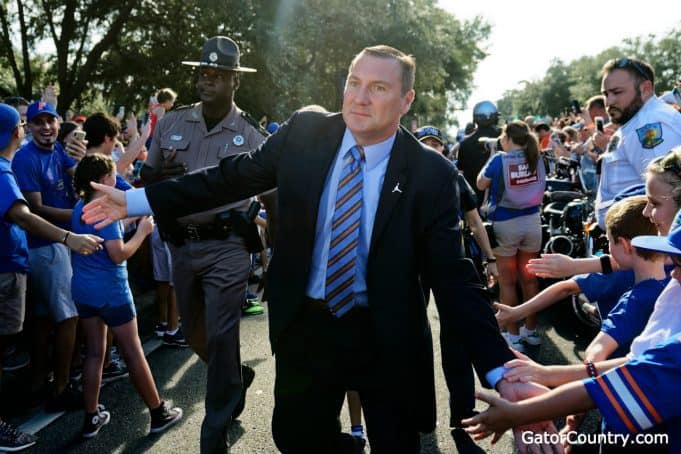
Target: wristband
(605, 264)
(66, 237)
(590, 369)
(491, 260)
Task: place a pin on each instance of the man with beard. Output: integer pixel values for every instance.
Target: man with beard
(210, 262)
(42, 167)
(648, 128)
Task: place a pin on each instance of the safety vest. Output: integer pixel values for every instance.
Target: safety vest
(522, 189)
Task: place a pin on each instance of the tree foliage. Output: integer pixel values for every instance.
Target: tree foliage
(125, 50)
(581, 78)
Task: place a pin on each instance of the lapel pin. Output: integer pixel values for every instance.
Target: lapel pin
(397, 188)
(238, 140)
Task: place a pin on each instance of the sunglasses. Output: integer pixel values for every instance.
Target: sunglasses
(636, 66)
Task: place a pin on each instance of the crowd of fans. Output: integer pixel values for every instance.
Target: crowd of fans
(45, 157)
(625, 136)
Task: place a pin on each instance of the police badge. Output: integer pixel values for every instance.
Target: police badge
(650, 135)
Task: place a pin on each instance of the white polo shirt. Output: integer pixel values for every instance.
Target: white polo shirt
(652, 132)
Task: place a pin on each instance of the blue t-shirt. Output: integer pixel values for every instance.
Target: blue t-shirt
(121, 184)
(98, 281)
(628, 318)
(644, 393)
(43, 171)
(606, 289)
(13, 246)
(494, 171)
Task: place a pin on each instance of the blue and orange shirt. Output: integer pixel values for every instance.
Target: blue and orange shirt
(644, 393)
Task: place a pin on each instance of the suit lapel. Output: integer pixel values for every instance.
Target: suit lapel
(394, 184)
(316, 162)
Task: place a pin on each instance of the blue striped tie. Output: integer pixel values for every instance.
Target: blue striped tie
(340, 269)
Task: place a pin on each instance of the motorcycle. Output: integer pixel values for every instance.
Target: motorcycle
(566, 209)
(569, 225)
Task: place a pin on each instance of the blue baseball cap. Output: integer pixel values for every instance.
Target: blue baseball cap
(670, 244)
(432, 132)
(39, 108)
(9, 120)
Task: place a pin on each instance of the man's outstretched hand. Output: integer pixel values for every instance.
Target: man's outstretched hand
(104, 210)
(499, 417)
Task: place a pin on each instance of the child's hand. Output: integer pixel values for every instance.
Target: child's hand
(505, 314)
(146, 225)
(572, 424)
(551, 265)
(496, 420)
(524, 370)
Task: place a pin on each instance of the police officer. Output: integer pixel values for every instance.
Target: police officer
(210, 261)
(648, 128)
(473, 154)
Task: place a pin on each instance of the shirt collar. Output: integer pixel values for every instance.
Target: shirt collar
(373, 154)
(229, 122)
(650, 104)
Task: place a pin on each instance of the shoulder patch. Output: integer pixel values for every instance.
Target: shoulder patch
(251, 121)
(650, 135)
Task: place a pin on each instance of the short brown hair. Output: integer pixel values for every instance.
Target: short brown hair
(407, 62)
(595, 101)
(637, 69)
(165, 94)
(625, 219)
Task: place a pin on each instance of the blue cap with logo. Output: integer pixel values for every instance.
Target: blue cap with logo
(432, 132)
(670, 244)
(9, 120)
(39, 108)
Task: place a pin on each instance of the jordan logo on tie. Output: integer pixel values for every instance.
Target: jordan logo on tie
(340, 269)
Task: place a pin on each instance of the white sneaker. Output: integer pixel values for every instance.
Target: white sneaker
(513, 341)
(530, 337)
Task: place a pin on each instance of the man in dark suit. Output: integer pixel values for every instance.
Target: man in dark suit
(365, 212)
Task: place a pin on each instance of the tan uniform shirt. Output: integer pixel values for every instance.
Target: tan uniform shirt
(184, 130)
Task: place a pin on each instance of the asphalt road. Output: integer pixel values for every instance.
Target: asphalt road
(180, 377)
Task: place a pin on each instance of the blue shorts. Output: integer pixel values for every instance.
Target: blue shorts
(112, 315)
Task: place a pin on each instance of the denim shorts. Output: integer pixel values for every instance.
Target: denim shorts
(50, 282)
(12, 303)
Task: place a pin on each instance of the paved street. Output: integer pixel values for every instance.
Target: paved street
(180, 378)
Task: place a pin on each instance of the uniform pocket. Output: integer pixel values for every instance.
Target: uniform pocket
(171, 143)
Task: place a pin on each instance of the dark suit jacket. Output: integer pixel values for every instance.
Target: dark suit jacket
(416, 232)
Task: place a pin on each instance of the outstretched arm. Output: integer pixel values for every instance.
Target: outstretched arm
(517, 392)
(503, 415)
(560, 265)
(35, 225)
(542, 300)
